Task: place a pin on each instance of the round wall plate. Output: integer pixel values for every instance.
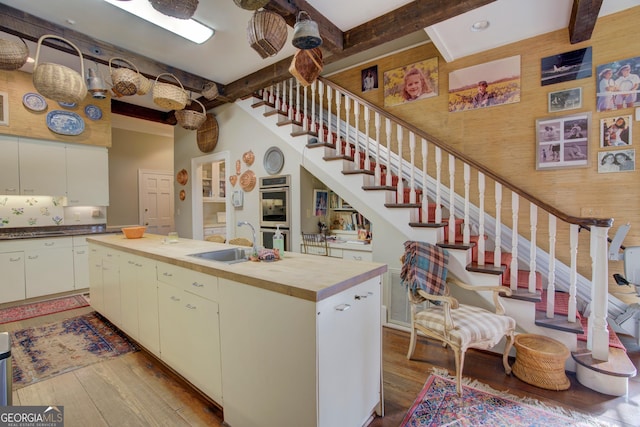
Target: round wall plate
(273, 160)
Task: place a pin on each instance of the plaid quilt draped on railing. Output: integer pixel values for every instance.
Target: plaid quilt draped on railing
(424, 266)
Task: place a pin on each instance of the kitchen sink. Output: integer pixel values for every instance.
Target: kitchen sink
(227, 256)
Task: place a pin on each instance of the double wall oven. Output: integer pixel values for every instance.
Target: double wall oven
(275, 209)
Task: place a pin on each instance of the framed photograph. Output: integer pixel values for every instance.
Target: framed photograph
(568, 99)
(615, 131)
(320, 202)
(4, 109)
(410, 83)
(334, 201)
(369, 78)
(563, 142)
(485, 85)
(566, 66)
(616, 161)
(618, 84)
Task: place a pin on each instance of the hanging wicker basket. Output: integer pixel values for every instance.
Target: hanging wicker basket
(207, 137)
(251, 4)
(267, 33)
(56, 81)
(125, 80)
(306, 65)
(13, 54)
(181, 9)
(145, 85)
(169, 96)
(210, 91)
(191, 119)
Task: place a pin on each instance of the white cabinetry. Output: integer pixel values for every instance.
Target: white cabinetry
(48, 266)
(189, 326)
(326, 369)
(12, 267)
(9, 170)
(80, 262)
(42, 168)
(87, 175)
(96, 284)
(213, 182)
(111, 285)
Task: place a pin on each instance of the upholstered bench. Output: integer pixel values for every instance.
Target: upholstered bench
(540, 361)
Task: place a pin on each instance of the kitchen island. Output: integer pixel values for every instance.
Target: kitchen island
(292, 342)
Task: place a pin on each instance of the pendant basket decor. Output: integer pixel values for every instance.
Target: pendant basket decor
(169, 96)
(191, 119)
(305, 33)
(145, 85)
(181, 9)
(267, 33)
(306, 65)
(125, 81)
(210, 91)
(251, 4)
(56, 81)
(208, 134)
(13, 54)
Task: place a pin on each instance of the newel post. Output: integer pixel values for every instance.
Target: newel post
(598, 333)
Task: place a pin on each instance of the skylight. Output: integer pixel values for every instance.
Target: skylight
(188, 28)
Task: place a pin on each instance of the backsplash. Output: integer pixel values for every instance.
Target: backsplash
(46, 211)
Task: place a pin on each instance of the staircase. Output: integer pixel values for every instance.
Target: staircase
(353, 147)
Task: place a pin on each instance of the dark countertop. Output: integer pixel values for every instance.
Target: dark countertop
(16, 233)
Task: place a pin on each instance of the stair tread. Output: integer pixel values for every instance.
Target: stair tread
(618, 365)
(558, 322)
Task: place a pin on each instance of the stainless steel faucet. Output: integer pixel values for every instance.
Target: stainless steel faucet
(253, 230)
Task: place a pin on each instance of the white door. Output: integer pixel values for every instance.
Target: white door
(156, 201)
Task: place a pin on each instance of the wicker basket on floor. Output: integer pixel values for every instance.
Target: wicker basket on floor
(540, 362)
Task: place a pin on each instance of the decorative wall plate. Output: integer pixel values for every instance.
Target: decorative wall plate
(182, 195)
(233, 179)
(34, 101)
(65, 122)
(182, 177)
(93, 112)
(67, 104)
(273, 160)
(248, 181)
(248, 157)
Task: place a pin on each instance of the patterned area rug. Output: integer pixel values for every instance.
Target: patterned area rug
(42, 308)
(53, 349)
(438, 404)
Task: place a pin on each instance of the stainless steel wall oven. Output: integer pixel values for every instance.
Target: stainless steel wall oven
(275, 208)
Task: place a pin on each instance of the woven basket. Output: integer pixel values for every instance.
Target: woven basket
(251, 4)
(267, 33)
(306, 65)
(125, 81)
(181, 9)
(13, 55)
(540, 362)
(191, 119)
(208, 134)
(145, 85)
(210, 91)
(56, 81)
(169, 96)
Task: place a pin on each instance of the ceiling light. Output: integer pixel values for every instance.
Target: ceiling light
(187, 28)
(480, 25)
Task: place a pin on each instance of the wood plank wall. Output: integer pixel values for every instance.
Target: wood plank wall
(503, 137)
(24, 122)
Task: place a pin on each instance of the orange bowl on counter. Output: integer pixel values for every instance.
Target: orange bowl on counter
(134, 232)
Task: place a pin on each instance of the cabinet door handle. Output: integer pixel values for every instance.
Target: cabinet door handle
(197, 285)
(80, 252)
(174, 298)
(15, 259)
(363, 296)
(165, 274)
(49, 243)
(191, 307)
(131, 263)
(138, 265)
(343, 307)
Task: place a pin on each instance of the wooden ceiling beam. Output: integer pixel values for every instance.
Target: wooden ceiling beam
(584, 15)
(144, 113)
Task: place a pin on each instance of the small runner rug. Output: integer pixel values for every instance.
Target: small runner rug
(45, 351)
(42, 308)
(438, 404)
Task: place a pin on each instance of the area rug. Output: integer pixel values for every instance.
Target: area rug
(438, 404)
(42, 308)
(56, 348)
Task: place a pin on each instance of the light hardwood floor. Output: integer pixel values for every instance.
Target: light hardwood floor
(137, 390)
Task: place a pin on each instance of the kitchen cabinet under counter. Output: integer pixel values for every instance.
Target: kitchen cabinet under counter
(316, 335)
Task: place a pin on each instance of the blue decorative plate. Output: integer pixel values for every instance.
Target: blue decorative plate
(67, 104)
(93, 112)
(65, 122)
(34, 101)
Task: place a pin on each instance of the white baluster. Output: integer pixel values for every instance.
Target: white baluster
(313, 107)
(515, 201)
(466, 230)
(347, 118)
(278, 102)
(387, 123)
(551, 286)
(298, 118)
(438, 218)
(573, 272)
(290, 111)
(481, 242)
(425, 199)
(400, 186)
(356, 115)
(305, 111)
(330, 133)
(378, 171)
(452, 199)
(320, 128)
(533, 214)
(412, 153)
(338, 132)
(272, 98)
(367, 159)
(497, 252)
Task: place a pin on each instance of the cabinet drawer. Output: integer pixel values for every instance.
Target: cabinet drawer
(53, 243)
(349, 255)
(191, 281)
